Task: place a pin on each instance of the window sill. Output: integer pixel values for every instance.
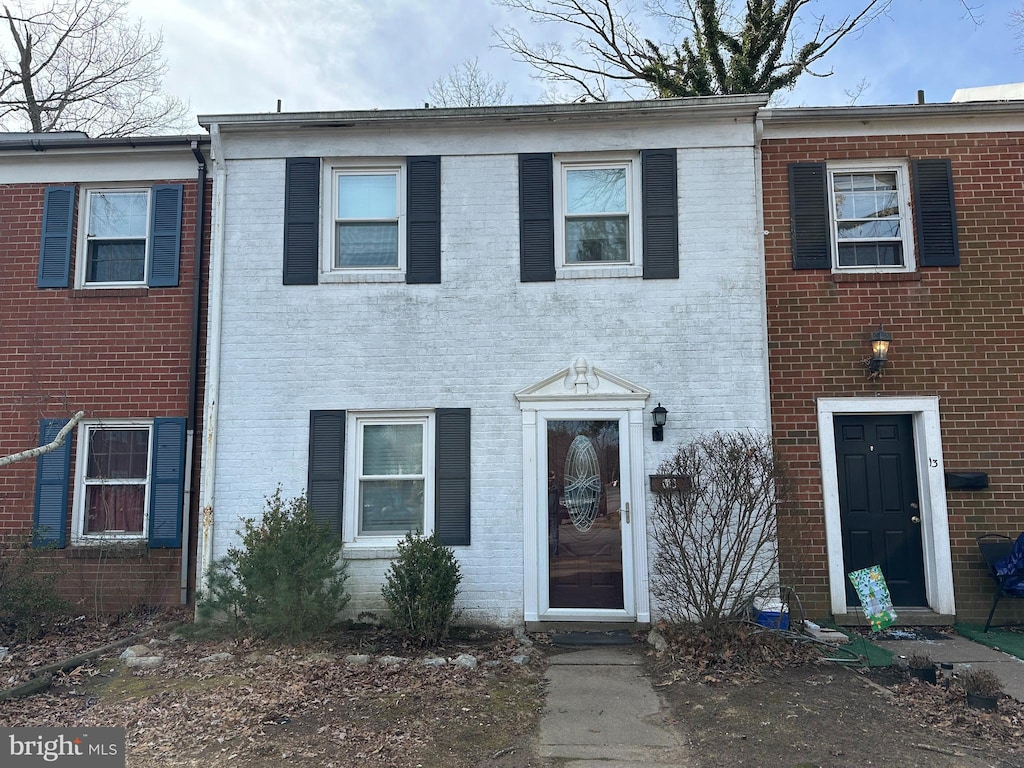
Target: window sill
(876, 277)
(584, 273)
(115, 549)
(362, 277)
(103, 293)
(362, 551)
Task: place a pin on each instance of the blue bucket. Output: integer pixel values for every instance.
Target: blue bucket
(773, 619)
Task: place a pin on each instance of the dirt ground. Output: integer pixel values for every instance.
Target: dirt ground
(271, 706)
(297, 706)
(808, 717)
(779, 704)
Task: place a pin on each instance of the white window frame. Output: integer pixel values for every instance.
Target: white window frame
(82, 248)
(630, 161)
(906, 211)
(332, 170)
(356, 420)
(79, 535)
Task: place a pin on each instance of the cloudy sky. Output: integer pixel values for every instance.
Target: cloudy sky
(228, 56)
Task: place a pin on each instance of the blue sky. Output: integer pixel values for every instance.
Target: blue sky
(229, 56)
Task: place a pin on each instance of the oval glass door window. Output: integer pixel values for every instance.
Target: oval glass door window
(582, 483)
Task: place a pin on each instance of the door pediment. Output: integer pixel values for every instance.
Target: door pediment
(582, 381)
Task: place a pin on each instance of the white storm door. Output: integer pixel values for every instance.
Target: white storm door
(585, 516)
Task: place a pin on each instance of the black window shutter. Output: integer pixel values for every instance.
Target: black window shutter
(165, 235)
(808, 214)
(423, 220)
(325, 483)
(451, 515)
(55, 245)
(49, 518)
(536, 219)
(660, 214)
(935, 214)
(301, 220)
(167, 483)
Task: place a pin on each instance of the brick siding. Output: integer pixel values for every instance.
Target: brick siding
(958, 334)
(114, 353)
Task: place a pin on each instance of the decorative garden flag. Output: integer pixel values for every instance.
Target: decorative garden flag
(874, 597)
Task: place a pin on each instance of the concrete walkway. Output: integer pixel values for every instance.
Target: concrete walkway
(602, 712)
(964, 654)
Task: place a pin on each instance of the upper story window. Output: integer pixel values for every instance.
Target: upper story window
(871, 221)
(858, 216)
(126, 236)
(599, 215)
(365, 230)
(599, 219)
(112, 492)
(115, 237)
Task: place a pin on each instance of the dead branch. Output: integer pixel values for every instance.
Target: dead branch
(58, 441)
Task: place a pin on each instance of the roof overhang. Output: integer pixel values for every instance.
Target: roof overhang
(890, 119)
(703, 108)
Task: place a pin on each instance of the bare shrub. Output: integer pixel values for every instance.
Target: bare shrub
(717, 541)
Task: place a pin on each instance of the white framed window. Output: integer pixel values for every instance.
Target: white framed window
(113, 242)
(364, 225)
(597, 221)
(390, 481)
(112, 481)
(872, 228)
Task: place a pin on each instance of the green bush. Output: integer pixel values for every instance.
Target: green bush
(286, 583)
(420, 589)
(29, 602)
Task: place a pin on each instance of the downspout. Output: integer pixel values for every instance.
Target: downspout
(761, 235)
(193, 368)
(213, 341)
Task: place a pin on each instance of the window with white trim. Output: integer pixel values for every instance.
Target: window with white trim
(112, 481)
(390, 487)
(113, 245)
(872, 229)
(364, 230)
(597, 220)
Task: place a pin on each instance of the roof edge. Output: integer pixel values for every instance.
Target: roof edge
(43, 142)
(785, 115)
(698, 107)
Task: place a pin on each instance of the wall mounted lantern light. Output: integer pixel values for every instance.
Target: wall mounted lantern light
(660, 416)
(879, 353)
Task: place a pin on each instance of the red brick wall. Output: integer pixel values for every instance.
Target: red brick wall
(117, 353)
(958, 334)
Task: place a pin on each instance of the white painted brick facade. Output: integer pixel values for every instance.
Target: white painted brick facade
(697, 343)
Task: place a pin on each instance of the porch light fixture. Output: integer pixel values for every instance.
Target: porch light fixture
(660, 416)
(879, 353)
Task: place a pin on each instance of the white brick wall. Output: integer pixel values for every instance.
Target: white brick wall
(697, 343)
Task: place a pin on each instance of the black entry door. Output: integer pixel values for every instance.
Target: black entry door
(879, 505)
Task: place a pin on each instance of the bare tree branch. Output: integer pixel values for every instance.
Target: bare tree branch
(467, 86)
(727, 46)
(82, 65)
(58, 441)
(1017, 25)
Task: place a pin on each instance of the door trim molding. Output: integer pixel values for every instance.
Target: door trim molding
(938, 563)
(581, 391)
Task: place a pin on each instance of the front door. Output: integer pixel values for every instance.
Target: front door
(587, 519)
(879, 505)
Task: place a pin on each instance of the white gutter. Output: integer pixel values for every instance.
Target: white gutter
(213, 340)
